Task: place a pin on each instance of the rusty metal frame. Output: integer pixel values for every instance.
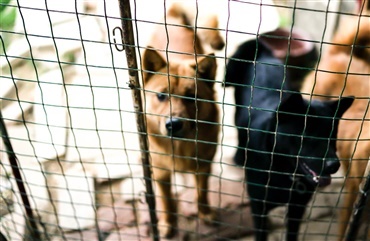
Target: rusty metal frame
(134, 83)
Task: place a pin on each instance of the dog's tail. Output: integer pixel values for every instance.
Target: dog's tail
(206, 24)
(354, 33)
(177, 11)
(210, 34)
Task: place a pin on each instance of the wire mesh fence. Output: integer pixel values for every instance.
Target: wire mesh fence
(126, 120)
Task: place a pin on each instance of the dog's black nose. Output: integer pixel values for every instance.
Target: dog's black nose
(332, 166)
(174, 127)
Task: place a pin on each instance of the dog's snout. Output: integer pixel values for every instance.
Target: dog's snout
(174, 126)
(332, 166)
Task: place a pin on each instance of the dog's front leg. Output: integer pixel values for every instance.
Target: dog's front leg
(260, 220)
(295, 214)
(166, 208)
(205, 211)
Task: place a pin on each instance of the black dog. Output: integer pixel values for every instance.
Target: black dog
(286, 144)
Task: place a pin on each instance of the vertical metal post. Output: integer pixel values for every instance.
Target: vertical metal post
(13, 160)
(360, 206)
(134, 84)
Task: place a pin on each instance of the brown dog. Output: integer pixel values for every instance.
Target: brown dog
(345, 71)
(181, 114)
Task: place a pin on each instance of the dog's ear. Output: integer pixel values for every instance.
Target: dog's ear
(342, 105)
(292, 103)
(206, 68)
(152, 62)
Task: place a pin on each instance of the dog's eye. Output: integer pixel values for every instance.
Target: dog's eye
(162, 96)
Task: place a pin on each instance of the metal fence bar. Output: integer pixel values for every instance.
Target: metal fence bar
(360, 206)
(30, 218)
(134, 84)
(2, 237)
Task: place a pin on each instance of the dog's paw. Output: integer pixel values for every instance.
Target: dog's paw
(209, 218)
(166, 230)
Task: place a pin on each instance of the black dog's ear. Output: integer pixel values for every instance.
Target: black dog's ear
(152, 62)
(342, 105)
(292, 103)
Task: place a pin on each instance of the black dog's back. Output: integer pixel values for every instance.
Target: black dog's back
(256, 74)
(253, 81)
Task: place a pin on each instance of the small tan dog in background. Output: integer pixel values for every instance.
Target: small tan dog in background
(345, 71)
(181, 114)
